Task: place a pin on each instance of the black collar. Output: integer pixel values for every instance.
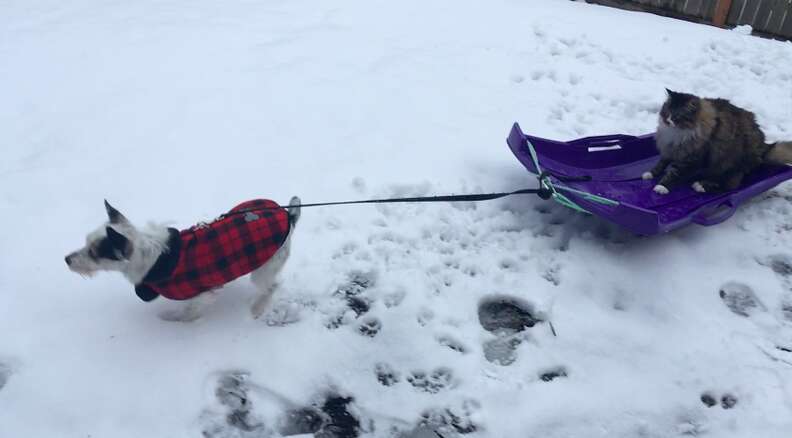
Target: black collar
(162, 268)
(167, 261)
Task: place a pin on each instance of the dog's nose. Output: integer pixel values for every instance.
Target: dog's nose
(68, 259)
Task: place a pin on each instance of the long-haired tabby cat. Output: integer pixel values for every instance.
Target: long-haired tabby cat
(709, 143)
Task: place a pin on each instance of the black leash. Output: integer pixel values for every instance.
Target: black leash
(440, 198)
(543, 192)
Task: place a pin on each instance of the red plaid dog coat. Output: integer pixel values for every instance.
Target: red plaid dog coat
(205, 257)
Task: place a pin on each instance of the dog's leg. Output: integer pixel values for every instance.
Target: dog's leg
(265, 276)
(192, 309)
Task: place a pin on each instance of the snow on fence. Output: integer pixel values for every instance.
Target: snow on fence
(771, 17)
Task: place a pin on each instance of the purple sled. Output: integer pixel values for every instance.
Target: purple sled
(615, 164)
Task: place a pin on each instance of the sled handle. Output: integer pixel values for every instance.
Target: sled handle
(716, 215)
(603, 140)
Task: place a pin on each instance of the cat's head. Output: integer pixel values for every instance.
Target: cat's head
(680, 110)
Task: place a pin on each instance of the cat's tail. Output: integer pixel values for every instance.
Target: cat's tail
(780, 153)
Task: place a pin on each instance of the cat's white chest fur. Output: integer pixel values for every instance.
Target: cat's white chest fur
(668, 138)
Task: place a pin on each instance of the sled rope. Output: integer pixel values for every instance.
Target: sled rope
(546, 183)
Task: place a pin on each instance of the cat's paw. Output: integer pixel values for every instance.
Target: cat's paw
(660, 189)
(647, 175)
(698, 187)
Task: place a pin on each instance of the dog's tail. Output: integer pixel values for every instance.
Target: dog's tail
(294, 210)
(780, 153)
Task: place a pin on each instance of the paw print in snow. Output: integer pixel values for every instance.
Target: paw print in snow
(370, 327)
(740, 299)
(727, 401)
(438, 380)
(386, 375)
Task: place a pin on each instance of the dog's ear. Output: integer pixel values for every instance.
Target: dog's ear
(114, 215)
(668, 92)
(119, 242)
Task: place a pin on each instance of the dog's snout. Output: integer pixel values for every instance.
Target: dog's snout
(68, 259)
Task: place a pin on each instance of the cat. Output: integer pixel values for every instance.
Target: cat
(711, 143)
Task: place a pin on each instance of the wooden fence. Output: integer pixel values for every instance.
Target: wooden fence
(768, 17)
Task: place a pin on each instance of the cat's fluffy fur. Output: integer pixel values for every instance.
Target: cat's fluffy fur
(710, 143)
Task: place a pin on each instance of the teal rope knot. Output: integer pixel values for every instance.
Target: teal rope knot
(549, 190)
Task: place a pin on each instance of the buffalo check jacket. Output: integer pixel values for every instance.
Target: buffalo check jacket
(207, 256)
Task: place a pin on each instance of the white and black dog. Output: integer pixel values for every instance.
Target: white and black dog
(253, 237)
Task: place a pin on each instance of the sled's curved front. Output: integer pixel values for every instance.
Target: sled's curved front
(615, 164)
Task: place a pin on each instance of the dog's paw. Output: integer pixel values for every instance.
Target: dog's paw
(283, 313)
(660, 189)
(647, 175)
(258, 308)
(261, 303)
(698, 187)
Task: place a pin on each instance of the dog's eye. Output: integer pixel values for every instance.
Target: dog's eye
(92, 254)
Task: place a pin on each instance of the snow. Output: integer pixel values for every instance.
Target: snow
(177, 110)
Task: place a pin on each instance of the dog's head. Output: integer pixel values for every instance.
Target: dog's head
(109, 248)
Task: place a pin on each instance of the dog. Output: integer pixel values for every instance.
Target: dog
(189, 265)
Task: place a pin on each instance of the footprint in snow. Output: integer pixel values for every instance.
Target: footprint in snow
(781, 264)
(425, 317)
(394, 299)
(357, 283)
(507, 264)
(506, 314)
(438, 380)
(740, 299)
(786, 309)
(551, 274)
(386, 374)
(727, 401)
(507, 318)
(358, 305)
(232, 393)
(453, 344)
(330, 418)
(552, 374)
(352, 292)
(370, 327)
(445, 422)
(285, 312)
(451, 420)
(502, 350)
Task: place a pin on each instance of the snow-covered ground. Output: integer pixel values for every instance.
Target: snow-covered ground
(390, 320)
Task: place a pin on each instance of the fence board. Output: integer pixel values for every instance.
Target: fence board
(780, 10)
(737, 11)
(710, 9)
(773, 17)
(762, 15)
(695, 8)
(786, 25)
(769, 16)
